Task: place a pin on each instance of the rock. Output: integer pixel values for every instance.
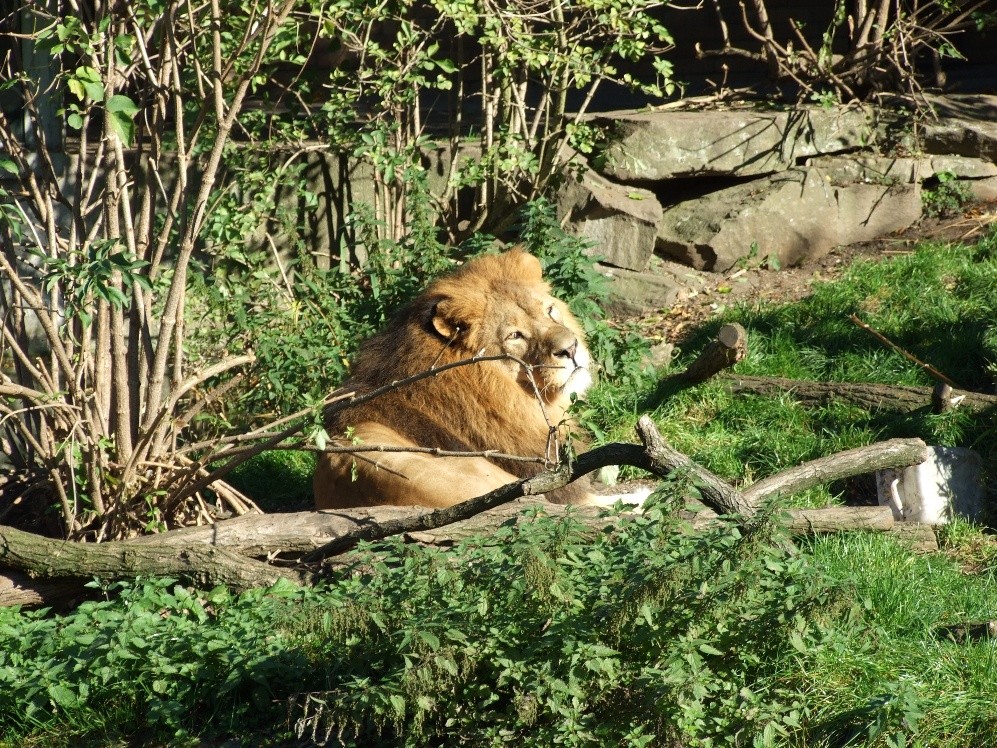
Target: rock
(963, 167)
(978, 175)
(798, 215)
(657, 289)
(622, 221)
(870, 169)
(966, 126)
(660, 356)
(655, 145)
(868, 211)
(790, 216)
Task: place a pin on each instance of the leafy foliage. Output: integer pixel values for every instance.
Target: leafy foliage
(946, 197)
(516, 62)
(540, 633)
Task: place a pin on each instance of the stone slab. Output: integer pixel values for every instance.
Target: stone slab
(621, 220)
(656, 145)
(794, 216)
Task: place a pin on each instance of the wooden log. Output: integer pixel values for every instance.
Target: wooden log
(894, 453)
(20, 589)
(837, 519)
(301, 532)
(206, 557)
(870, 396)
(205, 565)
(729, 347)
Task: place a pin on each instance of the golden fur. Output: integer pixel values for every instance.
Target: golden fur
(496, 304)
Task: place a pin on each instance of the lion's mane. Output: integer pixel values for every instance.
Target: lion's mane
(483, 406)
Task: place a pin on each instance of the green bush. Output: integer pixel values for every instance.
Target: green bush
(539, 634)
(945, 195)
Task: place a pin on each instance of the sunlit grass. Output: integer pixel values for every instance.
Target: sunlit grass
(939, 303)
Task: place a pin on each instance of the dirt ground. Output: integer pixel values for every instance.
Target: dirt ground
(759, 283)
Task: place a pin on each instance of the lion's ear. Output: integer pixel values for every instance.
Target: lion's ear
(448, 318)
(527, 267)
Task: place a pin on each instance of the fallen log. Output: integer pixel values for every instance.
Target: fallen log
(721, 353)
(263, 536)
(729, 347)
(220, 554)
(20, 589)
(303, 532)
(903, 398)
(894, 453)
(204, 565)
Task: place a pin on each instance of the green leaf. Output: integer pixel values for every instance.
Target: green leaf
(76, 88)
(431, 639)
(8, 166)
(123, 127)
(123, 104)
(797, 642)
(61, 695)
(95, 90)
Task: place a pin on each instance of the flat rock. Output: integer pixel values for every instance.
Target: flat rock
(798, 215)
(655, 145)
(658, 288)
(966, 126)
(621, 220)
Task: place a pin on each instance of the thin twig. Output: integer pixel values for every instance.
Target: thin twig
(909, 356)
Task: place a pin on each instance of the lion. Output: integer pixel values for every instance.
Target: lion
(492, 306)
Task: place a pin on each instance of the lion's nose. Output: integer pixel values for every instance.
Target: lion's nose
(567, 349)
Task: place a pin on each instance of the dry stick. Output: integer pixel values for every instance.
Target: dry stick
(653, 455)
(909, 356)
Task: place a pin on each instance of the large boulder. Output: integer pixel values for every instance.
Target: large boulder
(621, 220)
(798, 215)
(655, 145)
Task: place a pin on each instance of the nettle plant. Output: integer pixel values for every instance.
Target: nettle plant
(95, 256)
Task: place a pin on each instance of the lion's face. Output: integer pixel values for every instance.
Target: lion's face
(532, 330)
(505, 308)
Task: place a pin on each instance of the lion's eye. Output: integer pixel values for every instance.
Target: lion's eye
(552, 312)
(515, 335)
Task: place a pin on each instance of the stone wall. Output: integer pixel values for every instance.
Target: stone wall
(707, 187)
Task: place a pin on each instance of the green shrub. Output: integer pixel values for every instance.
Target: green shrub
(539, 634)
(945, 195)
